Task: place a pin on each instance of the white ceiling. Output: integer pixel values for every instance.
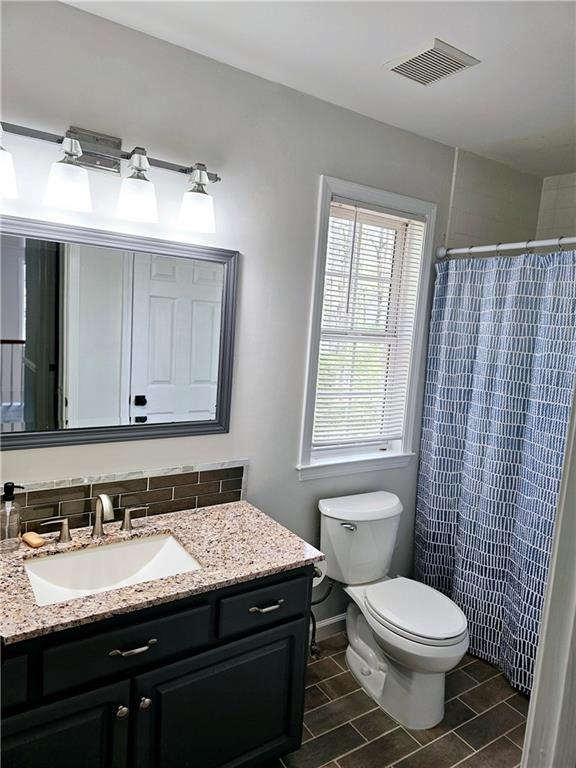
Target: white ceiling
(518, 106)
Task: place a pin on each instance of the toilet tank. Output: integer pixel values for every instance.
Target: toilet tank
(358, 535)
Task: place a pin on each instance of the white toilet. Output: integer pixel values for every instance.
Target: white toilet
(403, 636)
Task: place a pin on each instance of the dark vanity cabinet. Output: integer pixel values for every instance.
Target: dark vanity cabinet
(215, 681)
(85, 731)
(241, 700)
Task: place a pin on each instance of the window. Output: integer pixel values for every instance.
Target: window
(360, 372)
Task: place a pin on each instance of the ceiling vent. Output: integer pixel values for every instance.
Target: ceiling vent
(432, 63)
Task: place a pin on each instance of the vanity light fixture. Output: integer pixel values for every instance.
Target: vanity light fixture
(68, 183)
(197, 209)
(137, 200)
(8, 186)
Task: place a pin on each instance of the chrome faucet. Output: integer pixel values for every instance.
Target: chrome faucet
(104, 513)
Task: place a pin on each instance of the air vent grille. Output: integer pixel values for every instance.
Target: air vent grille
(432, 63)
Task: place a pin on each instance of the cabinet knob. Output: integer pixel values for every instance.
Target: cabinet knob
(122, 712)
(145, 703)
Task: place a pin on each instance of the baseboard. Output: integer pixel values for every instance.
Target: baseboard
(330, 626)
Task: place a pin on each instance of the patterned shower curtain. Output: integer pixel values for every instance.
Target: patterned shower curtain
(501, 370)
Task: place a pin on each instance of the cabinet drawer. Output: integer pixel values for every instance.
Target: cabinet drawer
(119, 651)
(14, 682)
(261, 607)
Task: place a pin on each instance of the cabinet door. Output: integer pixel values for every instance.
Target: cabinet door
(86, 731)
(237, 705)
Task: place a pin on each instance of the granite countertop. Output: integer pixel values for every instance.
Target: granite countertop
(232, 542)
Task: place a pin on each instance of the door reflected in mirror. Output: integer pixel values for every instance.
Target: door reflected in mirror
(102, 337)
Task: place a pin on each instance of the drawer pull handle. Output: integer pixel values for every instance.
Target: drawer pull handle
(268, 609)
(145, 703)
(134, 651)
(122, 712)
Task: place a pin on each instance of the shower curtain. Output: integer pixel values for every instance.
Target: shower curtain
(501, 370)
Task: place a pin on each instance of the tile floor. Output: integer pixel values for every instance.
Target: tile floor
(483, 726)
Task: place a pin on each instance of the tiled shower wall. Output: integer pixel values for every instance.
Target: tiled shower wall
(557, 207)
(160, 493)
(491, 203)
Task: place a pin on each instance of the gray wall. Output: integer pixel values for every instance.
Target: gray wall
(270, 144)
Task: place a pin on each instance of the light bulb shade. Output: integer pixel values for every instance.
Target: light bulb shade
(8, 186)
(68, 188)
(197, 212)
(137, 200)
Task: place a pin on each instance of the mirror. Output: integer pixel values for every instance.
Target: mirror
(113, 340)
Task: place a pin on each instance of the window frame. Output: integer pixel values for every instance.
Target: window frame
(330, 462)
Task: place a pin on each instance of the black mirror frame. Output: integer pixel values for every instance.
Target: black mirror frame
(41, 230)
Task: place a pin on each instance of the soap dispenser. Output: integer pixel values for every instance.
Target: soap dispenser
(9, 519)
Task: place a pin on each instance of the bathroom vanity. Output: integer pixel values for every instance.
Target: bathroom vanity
(204, 668)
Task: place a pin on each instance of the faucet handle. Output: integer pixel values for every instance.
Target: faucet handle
(64, 537)
(127, 521)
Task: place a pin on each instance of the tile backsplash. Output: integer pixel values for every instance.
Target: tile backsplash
(163, 490)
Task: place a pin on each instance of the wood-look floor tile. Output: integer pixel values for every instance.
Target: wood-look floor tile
(333, 644)
(374, 724)
(442, 753)
(518, 734)
(382, 752)
(306, 734)
(455, 713)
(340, 718)
(487, 694)
(320, 670)
(499, 754)
(338, 712)
(340, 658)
(488, 726)
(325, 748)
(339, 686)
(521, 703)
(314, 697)
(457, 682)
(481, 671)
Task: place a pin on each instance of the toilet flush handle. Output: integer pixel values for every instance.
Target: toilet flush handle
(349, 526)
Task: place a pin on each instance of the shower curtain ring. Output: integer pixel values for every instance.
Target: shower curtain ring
(498, 249)
(470, 250)
(528, 249)
(560, 248)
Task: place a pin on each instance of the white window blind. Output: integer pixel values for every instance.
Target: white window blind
(369, 306)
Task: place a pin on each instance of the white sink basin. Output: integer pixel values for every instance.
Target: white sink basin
(57, 578)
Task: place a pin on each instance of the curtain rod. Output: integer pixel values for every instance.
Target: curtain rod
(558, 242)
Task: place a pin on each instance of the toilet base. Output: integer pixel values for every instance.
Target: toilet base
(414, 699)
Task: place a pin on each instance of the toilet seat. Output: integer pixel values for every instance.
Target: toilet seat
(416, 612)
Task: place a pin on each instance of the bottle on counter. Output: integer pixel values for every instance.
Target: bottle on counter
(10, 524)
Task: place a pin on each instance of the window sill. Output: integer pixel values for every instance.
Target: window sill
(348, 465)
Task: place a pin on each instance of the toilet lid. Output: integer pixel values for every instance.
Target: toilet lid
(415, 609)
(361, 507)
